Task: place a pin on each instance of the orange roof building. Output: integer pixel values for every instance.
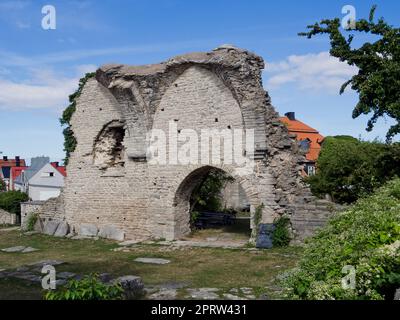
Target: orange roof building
(304, 132)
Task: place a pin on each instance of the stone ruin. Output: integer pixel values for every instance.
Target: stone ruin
(113, 190)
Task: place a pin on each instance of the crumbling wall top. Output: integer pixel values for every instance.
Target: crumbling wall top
(226, 55)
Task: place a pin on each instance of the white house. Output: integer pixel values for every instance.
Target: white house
(42, 181)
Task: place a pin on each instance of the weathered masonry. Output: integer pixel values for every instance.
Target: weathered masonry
(112, 186)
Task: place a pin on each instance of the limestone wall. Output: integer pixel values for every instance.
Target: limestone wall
(7, 217)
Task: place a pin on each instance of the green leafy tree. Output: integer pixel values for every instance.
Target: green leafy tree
(378, 63)
(11, 201)
(206, 195)
(349, 169)
(65, 120)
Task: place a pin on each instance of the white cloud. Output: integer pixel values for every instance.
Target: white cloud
(319, 71)
(43, 90)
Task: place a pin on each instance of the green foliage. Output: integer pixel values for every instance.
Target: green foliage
(2, 185)
(207, 194)
(89, 288)
(11, 201)
(32, 219)
(257, 220)
(349, 169)
(378, 62)
(65, 120)
(367, 237)
(281, 236)
(194, 215)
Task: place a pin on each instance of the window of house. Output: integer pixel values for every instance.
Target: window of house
(47, 174)
(311, 170)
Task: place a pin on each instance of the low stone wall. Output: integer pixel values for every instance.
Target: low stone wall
(29, 208)
(7, 217)
(52, 221)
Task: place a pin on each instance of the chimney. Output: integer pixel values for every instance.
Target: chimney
(17, 161)
(291, 116)
(5, 158)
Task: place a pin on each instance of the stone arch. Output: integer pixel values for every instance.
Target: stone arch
(181, 200)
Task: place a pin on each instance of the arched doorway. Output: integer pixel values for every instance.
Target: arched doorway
(190, 215)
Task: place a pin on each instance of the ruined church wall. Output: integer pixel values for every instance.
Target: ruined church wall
(114, 185)
(116, 196)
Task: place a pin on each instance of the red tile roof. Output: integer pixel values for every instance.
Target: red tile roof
(11, 163)
(60, 169)
(302, 132)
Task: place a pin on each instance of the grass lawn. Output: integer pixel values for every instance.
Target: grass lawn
(199, 267)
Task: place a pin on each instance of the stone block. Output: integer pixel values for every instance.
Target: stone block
(62, 229)
(88, 230)
(50, 227)
(111, 232)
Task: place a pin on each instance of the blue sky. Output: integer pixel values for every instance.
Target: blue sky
(40, 68)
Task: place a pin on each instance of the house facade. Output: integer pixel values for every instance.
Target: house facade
(42, 180)
(309, 140)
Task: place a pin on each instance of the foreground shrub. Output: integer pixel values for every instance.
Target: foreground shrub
(89, 288)
(281, 237)
(11, 201)
(367, 237)
(31, 221)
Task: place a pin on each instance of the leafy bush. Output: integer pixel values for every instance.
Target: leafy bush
(89, 288)
(349, 169)
(194, 215)
(31, 221)
(11, 201)
(367, 237)
(281, 236)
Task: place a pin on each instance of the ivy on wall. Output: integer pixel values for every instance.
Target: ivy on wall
(65, 120)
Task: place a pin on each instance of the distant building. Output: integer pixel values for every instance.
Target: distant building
(310, 140)
(14, 174)
(7, 166)
(42, 180)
